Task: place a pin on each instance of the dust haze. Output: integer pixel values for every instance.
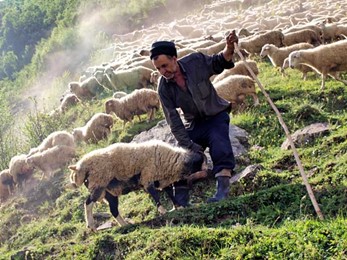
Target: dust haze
(94, 29)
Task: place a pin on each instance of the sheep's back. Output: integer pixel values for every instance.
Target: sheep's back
(326, 55)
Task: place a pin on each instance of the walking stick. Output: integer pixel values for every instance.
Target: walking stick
(284, 126)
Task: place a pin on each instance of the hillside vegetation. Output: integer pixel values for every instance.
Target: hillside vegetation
(267, 216)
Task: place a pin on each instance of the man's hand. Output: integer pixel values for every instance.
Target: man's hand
(229, 47)
(231, 39)
(196, 148)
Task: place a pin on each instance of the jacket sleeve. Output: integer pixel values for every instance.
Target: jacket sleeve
(217, 63)
(174, 120)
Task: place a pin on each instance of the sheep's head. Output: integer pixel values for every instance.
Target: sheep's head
(265, 50)
(77, 175)
(99, 75)
(70, 99)
(294, 59)
(108, 121)
(144, 52)
(111, 105)
(194, 162)
(77, 134)
(109, 71)
(285, 63)
(29, 165)
(73, 86)
(154, 77)
(195, 166)
(6, 178)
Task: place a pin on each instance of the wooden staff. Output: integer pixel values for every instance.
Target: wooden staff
(279, 116)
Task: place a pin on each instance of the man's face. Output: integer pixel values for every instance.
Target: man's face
(166, 65)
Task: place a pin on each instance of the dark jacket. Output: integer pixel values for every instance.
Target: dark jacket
(200, 101)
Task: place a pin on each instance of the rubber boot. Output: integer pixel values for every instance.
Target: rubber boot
(181, 194)
(223, 185)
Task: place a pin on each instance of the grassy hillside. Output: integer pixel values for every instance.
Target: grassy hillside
(267, 216)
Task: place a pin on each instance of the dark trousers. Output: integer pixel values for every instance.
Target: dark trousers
(214, 133)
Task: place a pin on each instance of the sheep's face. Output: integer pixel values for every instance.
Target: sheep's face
(77, 135)
(154, 77)
(265, 50)
(285, 63)
(99, 75)
(109, 121)
(294, 59)
(29, 165)
(77, 175)
(195, 162)
(73, 86)
(109, 72)
(7, 179)
(110, 106)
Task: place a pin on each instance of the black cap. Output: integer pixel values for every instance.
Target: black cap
(163, 47)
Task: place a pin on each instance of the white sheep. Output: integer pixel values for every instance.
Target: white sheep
(295, 28)
(130, 79)
(20, 170)
(68, 101)
(304, 35)
(96, 129)
(124, 167)
(277, 55)
(239, 69)
(6, 185)
(54, 139)
(87, 89)
(235, 88)
(184, 51)
(327, 59)
(212, 49)
(138, 102)
(254, 43)
(51, 159)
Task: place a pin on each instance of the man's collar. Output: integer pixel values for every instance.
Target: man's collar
(182, 70)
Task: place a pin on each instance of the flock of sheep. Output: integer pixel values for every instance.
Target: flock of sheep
(309, 36)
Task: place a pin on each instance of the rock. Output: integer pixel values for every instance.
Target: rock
(306, 135)
(238, 137)
(249, 172)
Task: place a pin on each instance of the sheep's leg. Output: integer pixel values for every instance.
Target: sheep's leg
(255, 99)
(153, 110)
(88, 212)
(156, 197)
(170, 193)
(150, 114)
(96, 195)
(113, 204)
(336, 76)
(323, 81)
(42, 176)
(9, 189)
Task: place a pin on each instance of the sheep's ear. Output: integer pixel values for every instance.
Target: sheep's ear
(73, 167)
